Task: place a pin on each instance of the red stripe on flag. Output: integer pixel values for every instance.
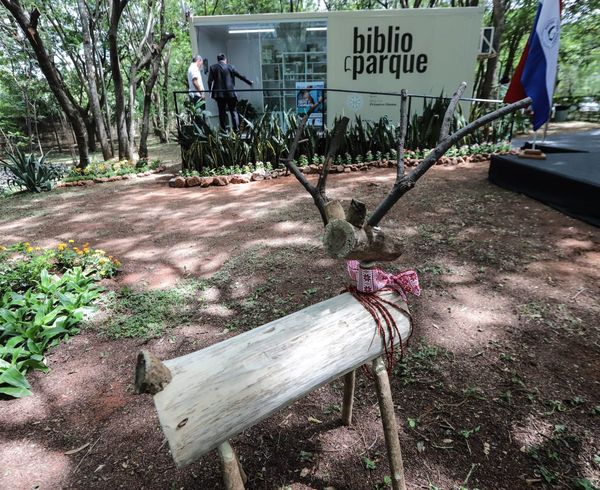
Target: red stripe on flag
(515, 90)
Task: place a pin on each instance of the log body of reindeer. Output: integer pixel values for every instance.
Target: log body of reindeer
(351, 234)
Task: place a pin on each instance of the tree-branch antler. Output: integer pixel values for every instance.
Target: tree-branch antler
(317, 192)
(407, 182)
(347, 235)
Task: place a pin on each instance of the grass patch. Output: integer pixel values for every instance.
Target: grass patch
(148, 314)
(421, 362)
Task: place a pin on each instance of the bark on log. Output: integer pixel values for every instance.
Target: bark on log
(334, 210)
(349, 384)
(232, 477)
(390, 428)
(357, 212)
(342, 240)
(218, 392)
(151, 375)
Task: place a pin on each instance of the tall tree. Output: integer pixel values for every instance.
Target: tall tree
(500, 8)
(116, 11)
(29, 26)
(91, 87)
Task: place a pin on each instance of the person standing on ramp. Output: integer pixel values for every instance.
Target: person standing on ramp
(221, 83)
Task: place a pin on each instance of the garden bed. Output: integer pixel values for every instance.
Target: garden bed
(337, 168)
(113, 178)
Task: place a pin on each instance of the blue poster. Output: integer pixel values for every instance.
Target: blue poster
(308, 94)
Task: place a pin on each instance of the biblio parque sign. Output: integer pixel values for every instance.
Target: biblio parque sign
(378, 51)
(425, 51)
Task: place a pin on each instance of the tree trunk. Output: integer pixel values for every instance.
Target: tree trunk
(490, 78)
(115, 17)
(91, 87)
(149, 85)
(131, 108)
(98, 62)
(513, 46)
(56, 135)
(29, 25)
(90, 125)
(166, 97)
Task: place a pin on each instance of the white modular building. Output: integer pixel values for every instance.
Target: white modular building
(361, 53)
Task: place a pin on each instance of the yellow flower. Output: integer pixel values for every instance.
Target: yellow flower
(102, 261)
(117, 263)
(100, 252)
(38, 248)
(71, 241)
(29, 249)
(27, 244)
(79, 252)
(61, 246)
(2, 247)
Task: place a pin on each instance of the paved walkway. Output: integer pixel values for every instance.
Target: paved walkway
(581, 140)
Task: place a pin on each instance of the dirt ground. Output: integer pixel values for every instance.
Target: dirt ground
(500, 389)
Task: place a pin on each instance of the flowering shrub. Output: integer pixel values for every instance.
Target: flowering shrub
(44, 294)
(110, 169)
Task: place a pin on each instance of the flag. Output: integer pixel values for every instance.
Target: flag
(535, 75)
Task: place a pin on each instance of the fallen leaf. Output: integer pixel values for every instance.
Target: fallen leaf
(420, 446)
(305, 472)
(486, 448)
(73, 451)
(314, 420)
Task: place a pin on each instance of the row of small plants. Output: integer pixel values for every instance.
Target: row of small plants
(44, 295)
(266, 138)
(110, 169)
(36, 174)
(348, 159)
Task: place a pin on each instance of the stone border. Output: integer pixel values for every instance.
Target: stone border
(114, 178)
(221, 180)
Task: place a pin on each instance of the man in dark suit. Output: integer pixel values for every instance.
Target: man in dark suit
(221, 82)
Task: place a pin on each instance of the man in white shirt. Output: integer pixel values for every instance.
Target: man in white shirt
(195, 84)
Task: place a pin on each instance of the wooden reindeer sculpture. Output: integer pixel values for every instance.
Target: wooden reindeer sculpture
(208, 396)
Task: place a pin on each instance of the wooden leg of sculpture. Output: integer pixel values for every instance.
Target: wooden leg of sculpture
(232, 476)
(349, 382)
(388, 418)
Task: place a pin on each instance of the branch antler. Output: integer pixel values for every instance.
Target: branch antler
(347, 235)
(317, 192)
(407, 182)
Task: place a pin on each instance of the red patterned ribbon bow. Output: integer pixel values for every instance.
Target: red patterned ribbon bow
(372, 280)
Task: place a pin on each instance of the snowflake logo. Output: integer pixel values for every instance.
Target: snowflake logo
(354, 101)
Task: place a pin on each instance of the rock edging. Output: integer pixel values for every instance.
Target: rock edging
(222, 180)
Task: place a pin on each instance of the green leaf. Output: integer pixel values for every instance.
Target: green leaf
(584, 484)
(14, 392)
(369, 464)
(13, 377)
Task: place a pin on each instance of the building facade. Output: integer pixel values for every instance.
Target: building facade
(294, 56)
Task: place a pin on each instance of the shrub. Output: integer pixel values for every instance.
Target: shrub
(44, 294)
(30, 172)
(109, 169)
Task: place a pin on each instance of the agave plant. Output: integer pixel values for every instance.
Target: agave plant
(28, 171)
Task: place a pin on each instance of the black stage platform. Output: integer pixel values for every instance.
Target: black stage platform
(569, 182)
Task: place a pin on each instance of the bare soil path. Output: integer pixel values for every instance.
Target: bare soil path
(500, 389)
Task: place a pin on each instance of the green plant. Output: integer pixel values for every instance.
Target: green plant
(44, 295)
(306, 456)
(37, 320)
(147, 314)
(30, 172)
(369, 464)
